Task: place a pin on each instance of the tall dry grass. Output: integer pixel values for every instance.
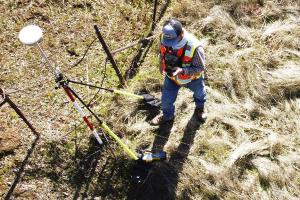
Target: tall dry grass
(249, 146)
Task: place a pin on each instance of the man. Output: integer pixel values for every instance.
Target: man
(182, 64)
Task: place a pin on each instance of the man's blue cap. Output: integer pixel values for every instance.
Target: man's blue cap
(171, 31)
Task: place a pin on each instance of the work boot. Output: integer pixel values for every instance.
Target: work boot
(159, 120)
(201, 114)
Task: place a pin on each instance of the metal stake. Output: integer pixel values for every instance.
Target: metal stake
(109, 56)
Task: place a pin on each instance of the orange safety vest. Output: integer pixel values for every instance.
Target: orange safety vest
(188, 50)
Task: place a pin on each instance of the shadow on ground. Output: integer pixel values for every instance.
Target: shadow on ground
(162, 177)
(99, 175)
(20, 170)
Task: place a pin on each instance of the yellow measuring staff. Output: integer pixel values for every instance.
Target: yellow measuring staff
(128, 94)
(131, 153)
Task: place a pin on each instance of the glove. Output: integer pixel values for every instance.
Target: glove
(177, 71)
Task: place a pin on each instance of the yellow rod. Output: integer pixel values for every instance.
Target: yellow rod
(131, 153)
(128, 94)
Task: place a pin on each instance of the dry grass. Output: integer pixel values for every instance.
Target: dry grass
(249, 148)
(254, 82)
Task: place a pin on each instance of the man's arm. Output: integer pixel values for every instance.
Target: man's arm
(198, 62)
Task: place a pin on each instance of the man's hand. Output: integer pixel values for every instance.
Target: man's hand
(177, 70)
(162, 71)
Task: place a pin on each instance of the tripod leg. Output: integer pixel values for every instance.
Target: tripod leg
(129, 152)
(81, 112)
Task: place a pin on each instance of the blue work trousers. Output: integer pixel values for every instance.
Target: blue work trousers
(170, 91)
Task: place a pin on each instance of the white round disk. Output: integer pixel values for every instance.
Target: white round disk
(30, 35)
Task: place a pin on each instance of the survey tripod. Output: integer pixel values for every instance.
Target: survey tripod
(72, 95)
(143, 155)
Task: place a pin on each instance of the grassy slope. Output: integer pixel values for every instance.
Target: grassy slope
(248, 148)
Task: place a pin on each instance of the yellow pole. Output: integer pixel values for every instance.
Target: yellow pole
(128, 94)
(131, 153)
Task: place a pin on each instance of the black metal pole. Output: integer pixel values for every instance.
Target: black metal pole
(29, 152)
(154, 15)
(19, 112)
(84, 104)
(2, 103)
(109, 56)
(3, 96)
(92, 86)
(88, 108)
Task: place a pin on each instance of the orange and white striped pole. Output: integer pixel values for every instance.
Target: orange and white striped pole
(81, 112)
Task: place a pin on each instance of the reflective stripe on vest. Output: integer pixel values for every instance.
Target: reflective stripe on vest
(191, 45)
